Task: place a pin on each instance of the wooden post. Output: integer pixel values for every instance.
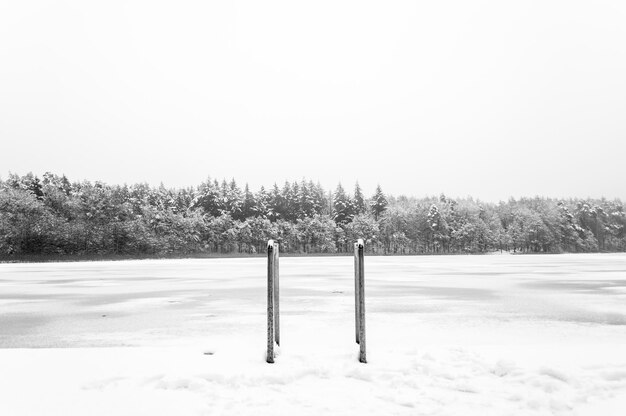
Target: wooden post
(356, 290)
(276, 294)
(361, 285)
(270, 301)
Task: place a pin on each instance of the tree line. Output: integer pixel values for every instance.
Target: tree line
(53, 216)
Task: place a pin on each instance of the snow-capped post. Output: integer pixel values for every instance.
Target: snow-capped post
(360, 272)
(270, 301)
(276, 294)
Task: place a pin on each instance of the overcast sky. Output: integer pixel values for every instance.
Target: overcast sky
(485, 98)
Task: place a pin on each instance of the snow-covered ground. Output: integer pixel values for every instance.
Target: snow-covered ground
(459, 335)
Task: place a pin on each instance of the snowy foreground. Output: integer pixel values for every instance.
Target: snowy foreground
(484, 335)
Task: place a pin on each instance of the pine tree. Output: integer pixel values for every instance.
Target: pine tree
(249, 205)
(359, 200)
(233, 200)
(295, 210)
(306, 200)
(379, 203)
(274, 204)
(207, 197)
(343, 209)
(262, 202)
(320, 203)
(286, 202)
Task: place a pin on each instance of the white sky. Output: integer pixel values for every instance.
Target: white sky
(484, 98)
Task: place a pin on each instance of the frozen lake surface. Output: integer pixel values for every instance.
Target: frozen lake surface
(495, 334)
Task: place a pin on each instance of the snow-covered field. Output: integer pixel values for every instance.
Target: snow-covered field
(482, 335)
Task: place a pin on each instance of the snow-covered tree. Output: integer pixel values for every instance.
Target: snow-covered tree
(343, 209)
(249, 207)
(359, 200)
(379, 203)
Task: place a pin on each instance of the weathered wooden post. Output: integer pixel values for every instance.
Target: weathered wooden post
(360, 278)
(270, 301)
(276, 293)
(356, 291)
